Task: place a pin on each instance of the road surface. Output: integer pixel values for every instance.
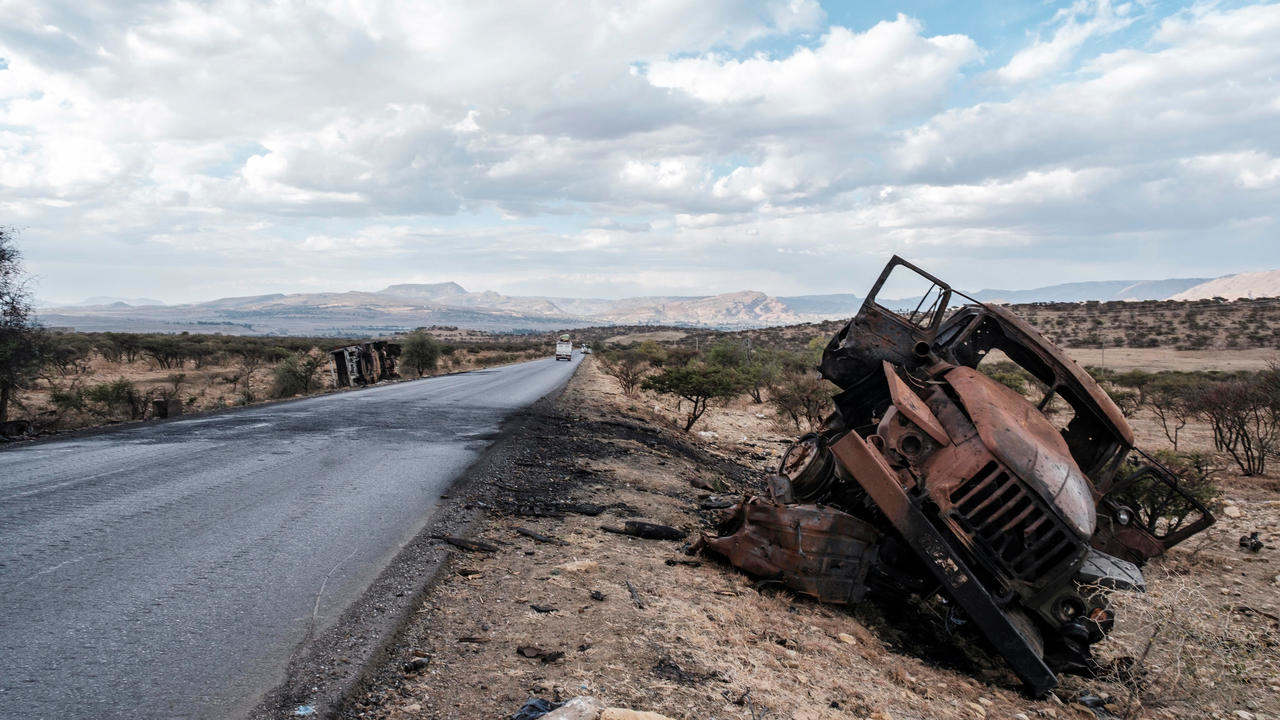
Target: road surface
(170, 569)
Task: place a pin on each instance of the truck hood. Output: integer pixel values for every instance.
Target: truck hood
(1020, 437)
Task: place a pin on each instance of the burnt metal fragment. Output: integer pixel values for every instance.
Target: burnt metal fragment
(647, 530)
(469, 545)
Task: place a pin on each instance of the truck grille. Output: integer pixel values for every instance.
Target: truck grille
(1009, 524)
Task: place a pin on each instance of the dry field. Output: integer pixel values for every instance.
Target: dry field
(1163, 359)
(708, 644)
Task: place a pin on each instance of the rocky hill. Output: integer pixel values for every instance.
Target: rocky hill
(1265, 283)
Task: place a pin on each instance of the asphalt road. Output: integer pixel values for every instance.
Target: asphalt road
(170, 569)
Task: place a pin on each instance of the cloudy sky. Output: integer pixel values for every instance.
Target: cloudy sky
(193, 150)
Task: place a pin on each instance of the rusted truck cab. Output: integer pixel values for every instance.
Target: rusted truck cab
(932, 477)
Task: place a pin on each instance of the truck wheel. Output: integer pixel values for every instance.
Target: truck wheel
(1028, 628)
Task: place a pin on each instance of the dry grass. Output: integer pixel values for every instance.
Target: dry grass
(1181, 646)
(211, 387)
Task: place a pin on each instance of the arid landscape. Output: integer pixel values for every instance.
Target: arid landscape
(206, 372)
(639, 360)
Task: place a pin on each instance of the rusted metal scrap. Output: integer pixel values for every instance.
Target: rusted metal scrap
(932, 478)
(364, 363)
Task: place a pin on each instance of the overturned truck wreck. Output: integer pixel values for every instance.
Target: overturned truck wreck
(932, 478)
(363, 364)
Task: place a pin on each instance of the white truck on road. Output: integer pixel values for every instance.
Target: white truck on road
(564, 348)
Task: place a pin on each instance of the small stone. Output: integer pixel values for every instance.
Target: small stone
(847, 639)
(977, 709)
(1232, 511)
(416, 664)
(1244, 715)
(579, 566)
(985, 702)
(1021, 716)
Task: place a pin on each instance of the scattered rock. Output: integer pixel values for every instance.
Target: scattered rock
(536, 653)
(1232, 511)
(719, 502)
(847, 639)
(415, 664)
(583, 707)
(468, 545)
(579, 566)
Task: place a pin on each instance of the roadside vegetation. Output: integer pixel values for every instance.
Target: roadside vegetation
(55, 380)
(781, 379)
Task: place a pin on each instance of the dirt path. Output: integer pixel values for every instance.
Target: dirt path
(696, 638)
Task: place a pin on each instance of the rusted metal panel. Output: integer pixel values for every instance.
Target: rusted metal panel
(865, 464)
(818, 551)
(1027, 443)
(909, 404)
(1033, 340)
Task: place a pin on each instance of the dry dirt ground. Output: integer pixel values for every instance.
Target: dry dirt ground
(1162, 359)
(642, 625)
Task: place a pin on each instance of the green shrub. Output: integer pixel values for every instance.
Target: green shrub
(420, 351)
(699, 384)
(117, 400)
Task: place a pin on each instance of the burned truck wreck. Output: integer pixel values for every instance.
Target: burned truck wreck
(363, 364)
(931, 478)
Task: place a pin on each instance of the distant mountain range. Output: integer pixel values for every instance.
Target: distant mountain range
(406, 306)
(1234, 287)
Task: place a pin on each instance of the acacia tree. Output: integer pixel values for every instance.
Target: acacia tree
(802, 397)
(628, 367)
(20, 355)
(1169, 400)
(1245, 417)
(699, 384)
